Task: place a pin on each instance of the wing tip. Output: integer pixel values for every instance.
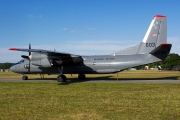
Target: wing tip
(13, 48)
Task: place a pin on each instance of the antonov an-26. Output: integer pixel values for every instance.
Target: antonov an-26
(153, 48)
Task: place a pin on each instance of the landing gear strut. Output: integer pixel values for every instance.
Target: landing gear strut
(24, 77)
(61, 77)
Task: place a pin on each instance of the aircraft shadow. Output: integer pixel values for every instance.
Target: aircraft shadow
(109, 79)
(42, 79)
(103, 79)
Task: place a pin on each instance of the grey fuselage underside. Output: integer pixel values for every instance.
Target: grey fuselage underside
(95, 64)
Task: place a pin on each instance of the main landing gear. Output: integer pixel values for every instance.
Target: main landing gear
(61, 77)
(81, 76)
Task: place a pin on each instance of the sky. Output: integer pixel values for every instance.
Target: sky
(83, 27)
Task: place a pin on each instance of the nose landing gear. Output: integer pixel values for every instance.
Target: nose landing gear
(24, 77)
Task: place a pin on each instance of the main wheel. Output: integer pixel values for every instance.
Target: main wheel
(81, 77)
(24, 77)
(61, 78)
(64, 78)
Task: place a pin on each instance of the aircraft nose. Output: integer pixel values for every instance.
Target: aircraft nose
(12, 68)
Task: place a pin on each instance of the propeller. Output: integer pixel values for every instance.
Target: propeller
(27, 57)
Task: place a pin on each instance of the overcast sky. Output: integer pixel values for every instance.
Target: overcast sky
(85, 27)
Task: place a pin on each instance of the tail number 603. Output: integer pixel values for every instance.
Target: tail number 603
(150, 44)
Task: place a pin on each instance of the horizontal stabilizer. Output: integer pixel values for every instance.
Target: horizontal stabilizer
(162, 49)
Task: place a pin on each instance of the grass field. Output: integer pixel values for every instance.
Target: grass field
(91, 101)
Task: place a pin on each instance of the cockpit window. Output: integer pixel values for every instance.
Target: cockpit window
(21, 61)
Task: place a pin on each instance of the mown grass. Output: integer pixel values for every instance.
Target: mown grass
(94, 101)
(91, 101)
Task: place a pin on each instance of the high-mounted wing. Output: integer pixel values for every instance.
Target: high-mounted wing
(55, 58)
(39, 51)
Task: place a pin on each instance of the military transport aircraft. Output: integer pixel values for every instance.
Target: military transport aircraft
(153, 48)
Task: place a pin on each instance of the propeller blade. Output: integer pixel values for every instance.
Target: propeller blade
(25, 56)
(29, 48)
(29, 59)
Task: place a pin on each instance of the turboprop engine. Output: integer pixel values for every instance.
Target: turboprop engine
(39, 59)
(43, 60)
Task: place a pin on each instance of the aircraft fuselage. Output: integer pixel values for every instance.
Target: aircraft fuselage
(91, 64)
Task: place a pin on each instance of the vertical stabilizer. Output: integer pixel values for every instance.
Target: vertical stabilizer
(155, 35)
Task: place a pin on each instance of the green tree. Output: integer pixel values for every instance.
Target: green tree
(5, 65)
(171, 60)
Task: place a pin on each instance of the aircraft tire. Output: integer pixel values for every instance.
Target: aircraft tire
(61, 78)
(64, 78)
(81, 76)
(24, 77)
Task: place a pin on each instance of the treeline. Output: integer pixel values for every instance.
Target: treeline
(5, 65)
(171, 60)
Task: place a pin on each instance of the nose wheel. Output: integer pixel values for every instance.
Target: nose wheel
(24, 77)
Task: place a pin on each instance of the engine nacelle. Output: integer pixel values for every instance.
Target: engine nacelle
(37, 56)
(55, 62)
(39, 59)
